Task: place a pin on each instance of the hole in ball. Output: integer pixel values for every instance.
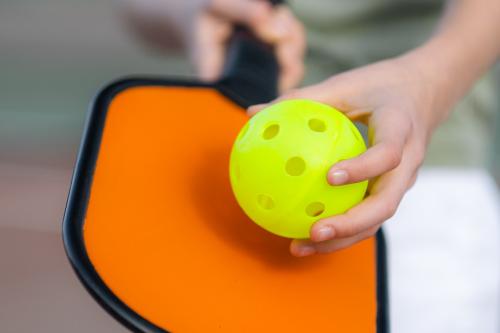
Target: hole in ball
(295, 166)
(317, 125)
(265, 201)
(315, 209)
(271, 131)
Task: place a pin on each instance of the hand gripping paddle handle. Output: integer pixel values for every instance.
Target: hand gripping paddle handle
(251, 71)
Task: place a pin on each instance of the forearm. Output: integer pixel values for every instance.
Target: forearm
(465, 45)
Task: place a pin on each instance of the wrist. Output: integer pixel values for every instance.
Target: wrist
(435, 90)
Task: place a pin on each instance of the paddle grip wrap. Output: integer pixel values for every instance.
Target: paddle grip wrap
(251, 70)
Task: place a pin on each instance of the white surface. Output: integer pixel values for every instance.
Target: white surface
(444, 255)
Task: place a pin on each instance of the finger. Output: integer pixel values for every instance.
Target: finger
(301, 248)
(280, 28)
(374, 210)
(342, 243)
(252, 110)
(304, 93)
(392, 128)
(209, 46)
(323, 92)
(290, 53)
(379, 206)
(337, 91)
(292, 72)
(252, 13)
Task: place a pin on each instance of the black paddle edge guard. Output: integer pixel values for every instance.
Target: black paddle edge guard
(76, 206)
(383, 323)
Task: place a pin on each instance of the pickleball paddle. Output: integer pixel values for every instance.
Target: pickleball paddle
(155, 235)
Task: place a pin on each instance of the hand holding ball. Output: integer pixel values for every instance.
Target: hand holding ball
(279, 164)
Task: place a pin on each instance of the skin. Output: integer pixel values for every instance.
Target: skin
(402, 100)
(203, 27)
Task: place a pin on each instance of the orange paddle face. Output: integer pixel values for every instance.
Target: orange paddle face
(166, 237)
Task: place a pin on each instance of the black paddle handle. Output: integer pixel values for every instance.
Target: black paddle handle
(251, 71)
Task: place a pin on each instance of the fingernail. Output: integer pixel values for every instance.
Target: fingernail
(324, 233)
(339, 177)
(305, 250)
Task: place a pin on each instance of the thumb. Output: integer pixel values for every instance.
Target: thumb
(246, 12)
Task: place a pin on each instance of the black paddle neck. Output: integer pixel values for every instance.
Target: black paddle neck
(251, 71)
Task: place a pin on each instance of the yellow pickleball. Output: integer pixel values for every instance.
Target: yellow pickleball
(279, 164)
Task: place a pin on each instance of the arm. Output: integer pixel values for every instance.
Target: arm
(402, 100)
(465, 45)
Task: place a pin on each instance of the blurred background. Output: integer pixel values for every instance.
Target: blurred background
(56, 54)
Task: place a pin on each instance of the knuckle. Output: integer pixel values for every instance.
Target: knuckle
(348, 229)
(258, 13)
(419, 155)
(366, 236)
(388, 210)
(374, 230)
(393, 156)
(325, 249)
(412, 181)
